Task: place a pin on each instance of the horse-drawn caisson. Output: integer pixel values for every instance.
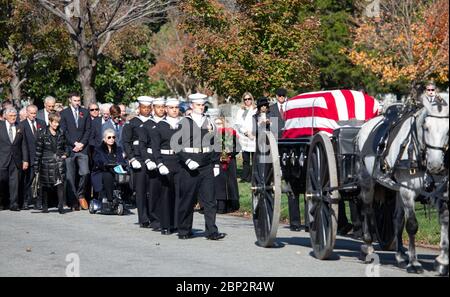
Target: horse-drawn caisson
(336, 146)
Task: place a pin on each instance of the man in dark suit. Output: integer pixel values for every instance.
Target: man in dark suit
(76, 126)
(278, 110)
(49, 106)
(95, 139)
(13, 156)
(31, 127)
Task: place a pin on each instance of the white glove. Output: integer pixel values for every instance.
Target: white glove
(151, 165)
(216, 171)
(135, 164)
(192, 165)
(163, 170)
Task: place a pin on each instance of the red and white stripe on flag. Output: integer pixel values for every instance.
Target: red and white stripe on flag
(309, 113)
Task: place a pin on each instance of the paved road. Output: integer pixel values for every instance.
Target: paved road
(36, 244)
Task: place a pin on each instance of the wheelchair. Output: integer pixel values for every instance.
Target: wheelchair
(117, 205)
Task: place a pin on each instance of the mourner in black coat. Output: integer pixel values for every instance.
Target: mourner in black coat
(49, 162)
(106, 156)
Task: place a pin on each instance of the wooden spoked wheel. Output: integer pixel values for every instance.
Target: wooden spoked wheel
(384, 212)
(266, 189)
(322, 195)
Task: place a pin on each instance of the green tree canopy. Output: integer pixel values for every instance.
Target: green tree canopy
(254, 46)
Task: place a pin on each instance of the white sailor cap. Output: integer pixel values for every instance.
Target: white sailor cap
(198, 98)
(159, 101)
(145, 100)
(172, 102)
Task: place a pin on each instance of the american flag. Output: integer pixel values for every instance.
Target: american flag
(309, 113)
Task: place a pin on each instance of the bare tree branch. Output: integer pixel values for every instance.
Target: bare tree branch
(53, 9)
(92, 24)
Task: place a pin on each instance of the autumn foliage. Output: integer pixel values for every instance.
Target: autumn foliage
(254, 46)
(169, 46)
(408, 43)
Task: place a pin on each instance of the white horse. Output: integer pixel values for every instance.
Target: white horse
(423, 139)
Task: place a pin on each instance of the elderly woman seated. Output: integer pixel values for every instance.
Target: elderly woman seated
(106, 156)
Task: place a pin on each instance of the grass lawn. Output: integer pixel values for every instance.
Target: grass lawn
(429, 228)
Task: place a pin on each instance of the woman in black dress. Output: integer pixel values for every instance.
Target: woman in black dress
(226, 185)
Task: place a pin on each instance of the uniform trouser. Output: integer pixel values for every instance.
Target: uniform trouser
(153, 190)
(11, 175)
(294, 209)
(196, 183)
(246, 166)
(142, 201)
(169, 194)
(83, 170)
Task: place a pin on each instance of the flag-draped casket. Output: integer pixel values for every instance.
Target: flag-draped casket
(309, 113)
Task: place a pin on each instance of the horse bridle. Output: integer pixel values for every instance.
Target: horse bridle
(443, 148)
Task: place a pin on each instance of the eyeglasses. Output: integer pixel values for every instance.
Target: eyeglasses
(94, 109)
(430, 90)
(247, 99)
(111, 137)
(117, 118)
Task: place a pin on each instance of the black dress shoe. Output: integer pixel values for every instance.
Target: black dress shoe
(185, 236)
(44, 210)
(14, 208)
(61, 210)
(165, 232)
(215, 236)
(295, 228)
(144, 225)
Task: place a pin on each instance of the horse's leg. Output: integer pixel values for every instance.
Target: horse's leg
(366, 195)
(441, 263)
(408, 198)
(399, 224)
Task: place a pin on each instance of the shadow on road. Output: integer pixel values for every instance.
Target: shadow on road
(350, 248)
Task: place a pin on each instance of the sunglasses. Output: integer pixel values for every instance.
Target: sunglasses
(247, 99)
(111, 137)
(117, 118)
(430, 90)
(94, 109)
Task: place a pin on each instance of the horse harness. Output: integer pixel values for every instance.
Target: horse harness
(414, 149)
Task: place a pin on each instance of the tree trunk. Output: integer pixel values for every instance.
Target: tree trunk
(86, 68)
(15, 84)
